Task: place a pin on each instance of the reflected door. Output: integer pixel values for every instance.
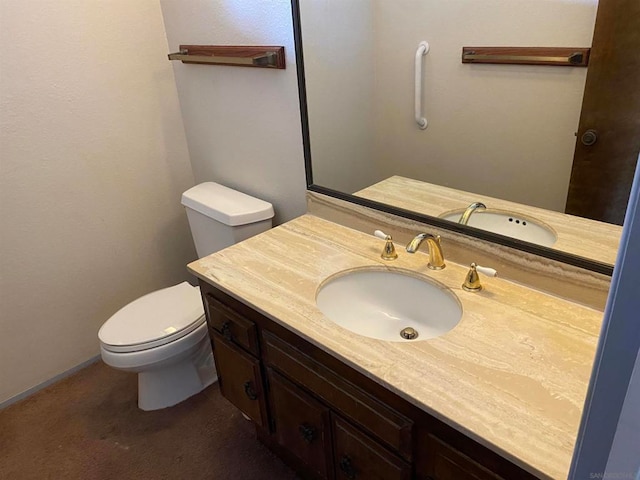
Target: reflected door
(609, 132)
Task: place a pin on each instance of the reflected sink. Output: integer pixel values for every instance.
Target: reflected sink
(509, 224)
(381, 304)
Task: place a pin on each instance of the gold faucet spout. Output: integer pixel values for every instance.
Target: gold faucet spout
(436, 257)
(464, 219)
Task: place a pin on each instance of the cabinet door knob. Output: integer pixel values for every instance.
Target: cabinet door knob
(307, 432)
(226, 331)
(249, 391)
(347, 467)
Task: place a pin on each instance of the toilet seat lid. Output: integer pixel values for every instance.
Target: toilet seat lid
(155, 319)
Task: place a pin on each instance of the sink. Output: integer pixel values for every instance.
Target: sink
(383, 303)
(510, 224)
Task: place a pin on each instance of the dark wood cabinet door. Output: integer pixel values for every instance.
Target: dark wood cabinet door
(302, 424)
(356, 456)
(447, 463)
(240, 379)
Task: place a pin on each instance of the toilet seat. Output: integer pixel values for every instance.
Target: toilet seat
(154, 319)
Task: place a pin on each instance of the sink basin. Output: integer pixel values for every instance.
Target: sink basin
(509, 224)
(381, 304)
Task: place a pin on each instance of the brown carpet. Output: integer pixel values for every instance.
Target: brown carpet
(88, 426)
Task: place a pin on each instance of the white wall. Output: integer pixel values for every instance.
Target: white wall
(341, 110)
(242, 124)
(93, 160)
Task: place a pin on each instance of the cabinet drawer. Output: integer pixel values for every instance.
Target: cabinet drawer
(387, 425)
(240, 379)
(359, 457)
(231, 325)
(447, 463)
(302, 424)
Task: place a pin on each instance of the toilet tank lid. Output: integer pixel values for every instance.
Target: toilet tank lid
(226, 205)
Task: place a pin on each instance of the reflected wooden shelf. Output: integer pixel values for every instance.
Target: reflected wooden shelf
(557, 56)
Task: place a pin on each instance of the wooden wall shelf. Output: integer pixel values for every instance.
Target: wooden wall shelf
(558, 56)
(237, 56)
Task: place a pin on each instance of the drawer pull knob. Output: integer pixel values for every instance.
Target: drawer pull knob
(347, 467)
(226, 331)
(249, 391)
(307, 432)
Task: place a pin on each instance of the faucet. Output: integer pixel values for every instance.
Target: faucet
(436, 257)
(464, 218)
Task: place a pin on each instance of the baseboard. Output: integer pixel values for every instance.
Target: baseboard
(46, 383)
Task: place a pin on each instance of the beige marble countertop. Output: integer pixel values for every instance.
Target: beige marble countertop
(576, 235)
(513, 374)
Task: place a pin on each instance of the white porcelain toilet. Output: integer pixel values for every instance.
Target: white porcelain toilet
(163, 335)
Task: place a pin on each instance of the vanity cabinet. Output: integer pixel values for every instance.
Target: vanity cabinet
(324, 418)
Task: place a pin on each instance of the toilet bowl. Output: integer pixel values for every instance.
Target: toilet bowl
(163, 336)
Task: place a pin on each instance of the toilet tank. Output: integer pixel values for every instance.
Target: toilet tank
(220, 216)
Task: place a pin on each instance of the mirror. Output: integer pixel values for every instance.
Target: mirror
(500, 134)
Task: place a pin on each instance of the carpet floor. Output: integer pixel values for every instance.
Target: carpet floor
(88, 426)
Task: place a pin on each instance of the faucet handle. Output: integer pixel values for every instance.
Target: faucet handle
(488, 271)
(389, 251)
(472, 280)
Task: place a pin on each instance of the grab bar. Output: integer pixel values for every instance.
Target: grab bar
(423, 49)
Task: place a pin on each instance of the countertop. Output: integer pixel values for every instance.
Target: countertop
(576, 235)
(512, 375)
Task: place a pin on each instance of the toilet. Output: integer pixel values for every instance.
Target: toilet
(162, 336)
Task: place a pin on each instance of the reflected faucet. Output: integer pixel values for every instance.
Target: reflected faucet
(436, 257)
(464, 218)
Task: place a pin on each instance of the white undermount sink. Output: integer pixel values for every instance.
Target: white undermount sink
(381, 304)
(509, 224)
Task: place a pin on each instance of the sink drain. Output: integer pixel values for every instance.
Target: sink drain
(409, 333)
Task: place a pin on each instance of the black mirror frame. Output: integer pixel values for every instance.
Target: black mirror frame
(570, 259)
